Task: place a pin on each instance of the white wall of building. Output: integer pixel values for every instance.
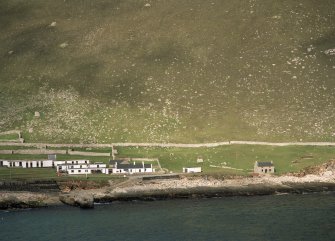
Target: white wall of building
(191, 169)
(4, 163)
(79, 171)
(28, 163)
(133, 170)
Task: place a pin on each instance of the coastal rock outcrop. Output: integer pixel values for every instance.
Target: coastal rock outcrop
(80, 199)
(21, 200)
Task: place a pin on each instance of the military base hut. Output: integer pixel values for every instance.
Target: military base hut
(192, 169)
(26, 163)
(76, 167)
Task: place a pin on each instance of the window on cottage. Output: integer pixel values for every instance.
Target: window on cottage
(79, 170)
(20, 164)
(72, 171)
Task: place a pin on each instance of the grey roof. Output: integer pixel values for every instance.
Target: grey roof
(112, 162)
(265, 164)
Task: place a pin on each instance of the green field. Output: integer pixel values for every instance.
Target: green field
(286, 159)
(178, 71)
(8, 137)
(21, 173)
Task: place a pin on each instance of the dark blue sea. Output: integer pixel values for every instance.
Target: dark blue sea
(284, 217)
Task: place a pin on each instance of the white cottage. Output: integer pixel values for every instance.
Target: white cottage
(71, 162)
(264, 167)
(82, 167)
(125, 167)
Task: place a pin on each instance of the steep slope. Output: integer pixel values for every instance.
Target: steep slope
(181, 71)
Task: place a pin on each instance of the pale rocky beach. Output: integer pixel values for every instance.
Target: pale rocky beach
(316, 179)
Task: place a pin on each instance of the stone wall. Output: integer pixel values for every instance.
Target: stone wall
(31, 186)
(86, 153)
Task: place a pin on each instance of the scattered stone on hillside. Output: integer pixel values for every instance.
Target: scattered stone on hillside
(330, 51)
(327, 173)
(147, 5)
(326, 169)
(37, 114)
(10, 52)
(63, 45)
(53, 24)
(30, 130)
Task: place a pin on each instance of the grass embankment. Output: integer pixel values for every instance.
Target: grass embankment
(16, 147)
(9, 137)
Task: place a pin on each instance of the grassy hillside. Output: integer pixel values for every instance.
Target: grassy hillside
(171, 71)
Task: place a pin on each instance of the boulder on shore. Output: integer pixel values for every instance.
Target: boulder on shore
(81, 200)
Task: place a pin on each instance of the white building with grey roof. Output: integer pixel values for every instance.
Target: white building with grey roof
(123, 167)
(264, 167)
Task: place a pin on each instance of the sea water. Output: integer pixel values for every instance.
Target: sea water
(285, 217)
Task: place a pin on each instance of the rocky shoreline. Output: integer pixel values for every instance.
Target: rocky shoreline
(87, 198)
(139, 188)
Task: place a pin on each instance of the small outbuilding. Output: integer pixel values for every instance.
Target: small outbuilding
(264, 167)
(192, 169)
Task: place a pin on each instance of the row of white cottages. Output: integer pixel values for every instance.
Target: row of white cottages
(71, 167)
(77, 167)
